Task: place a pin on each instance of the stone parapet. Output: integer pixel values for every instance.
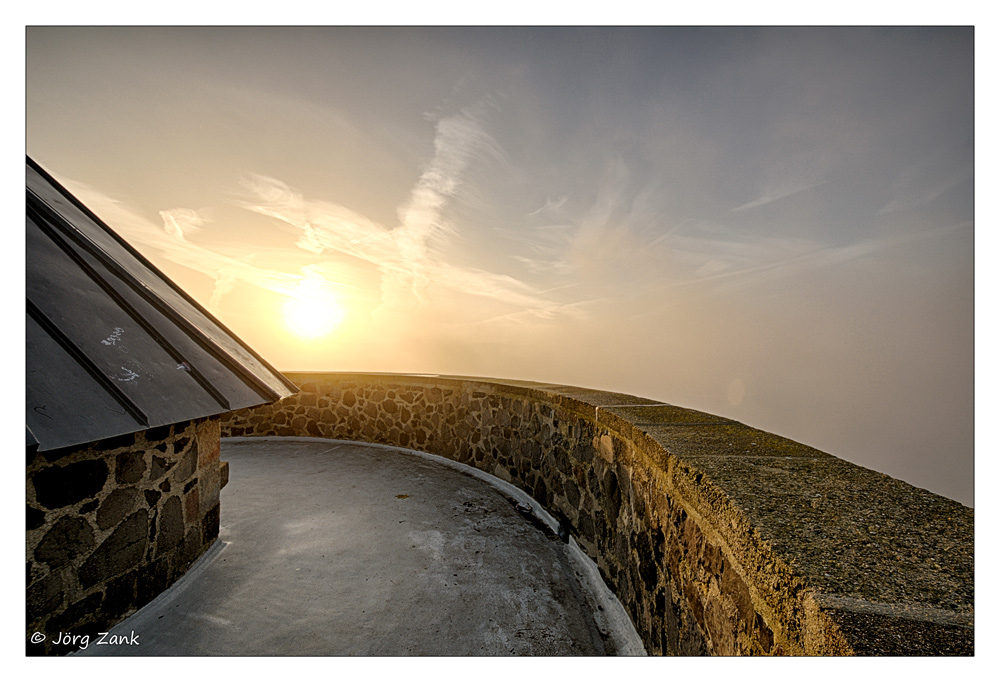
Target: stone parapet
(716, 537)
(112, 524)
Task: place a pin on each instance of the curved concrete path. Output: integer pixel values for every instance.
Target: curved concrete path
(342, 548)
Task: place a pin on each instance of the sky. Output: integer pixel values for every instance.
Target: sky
(775, 225)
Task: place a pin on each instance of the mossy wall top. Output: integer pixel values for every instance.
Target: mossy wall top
(717, 537)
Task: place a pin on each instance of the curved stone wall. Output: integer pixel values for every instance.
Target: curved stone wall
(716, 537)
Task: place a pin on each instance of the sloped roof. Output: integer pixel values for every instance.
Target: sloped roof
(112, 345)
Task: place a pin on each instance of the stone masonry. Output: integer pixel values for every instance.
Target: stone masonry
(112, 524)
(716, 537)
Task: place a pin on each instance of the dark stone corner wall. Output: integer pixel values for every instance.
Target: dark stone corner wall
(716, 537)
(112, 524)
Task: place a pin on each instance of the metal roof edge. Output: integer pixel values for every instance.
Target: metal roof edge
(145, 262)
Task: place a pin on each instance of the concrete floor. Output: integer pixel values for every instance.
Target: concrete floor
(340, 548)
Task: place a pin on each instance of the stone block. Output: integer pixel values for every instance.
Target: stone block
(663, 414)
(130, 467)
(171, 530)
(736, 590)
(764, 634)
(159, 433)
(44, 596)
(119, 596)
(192, 509)
(34, 518)
(712, 561)
(159, 467)
(694, 603)
(600, 398)
(153, 578)
(66, 542)
(647, 565)
(191, 547)
(210, 526)
(117, 505)
(120, 552)
(726, 440)
(208, 442)
(188, 465)
(871, 633)
(61, 486)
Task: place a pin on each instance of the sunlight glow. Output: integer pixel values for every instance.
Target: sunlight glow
(312, 311)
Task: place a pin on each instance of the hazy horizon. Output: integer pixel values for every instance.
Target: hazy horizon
(771, 224)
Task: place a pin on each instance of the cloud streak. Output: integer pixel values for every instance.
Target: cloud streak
(171, 241)
(777, 195)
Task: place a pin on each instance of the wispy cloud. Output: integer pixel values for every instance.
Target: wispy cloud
(321, 226)
(180, 222)
(743, 262)
(778, 193)
(551, 205)
(170, 239)
(409, 256)
(926, 180)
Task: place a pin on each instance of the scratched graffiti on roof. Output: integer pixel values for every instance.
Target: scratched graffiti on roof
(114, 338)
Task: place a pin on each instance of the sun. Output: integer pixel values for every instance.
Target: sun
(312, 311)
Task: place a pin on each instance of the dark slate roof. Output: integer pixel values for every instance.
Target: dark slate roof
(112, 345)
